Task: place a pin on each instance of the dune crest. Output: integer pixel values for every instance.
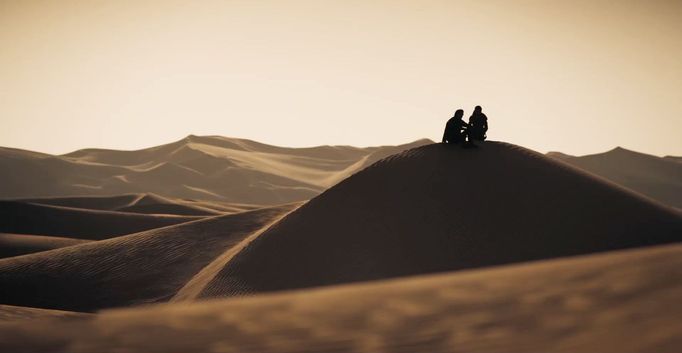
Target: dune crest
(212, 168)
(439, 208)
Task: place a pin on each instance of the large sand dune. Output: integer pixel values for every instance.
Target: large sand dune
(196, 167)
(139, 268)
(619, 302)
(37, 219)
(439, 208)
(655, 177)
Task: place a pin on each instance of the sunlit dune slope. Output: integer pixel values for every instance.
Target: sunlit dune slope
(27, 218)
(618, 302)
(20, 244)
(196, 167)
(656, 177)
(439, 208)
(139, 268)
(11, 313)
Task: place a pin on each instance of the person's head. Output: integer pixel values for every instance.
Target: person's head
(478, 109)
(459, 113)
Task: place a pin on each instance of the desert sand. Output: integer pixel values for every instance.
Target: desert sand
(440, 208)
(28, 218)
(209, 244)
(619, 302)
(656, 177)
(143, 267)
(196, 167)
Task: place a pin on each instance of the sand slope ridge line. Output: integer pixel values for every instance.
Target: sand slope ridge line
(201, 280)
(439, 208)
(145, 267)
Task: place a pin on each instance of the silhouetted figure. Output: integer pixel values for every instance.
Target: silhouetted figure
(455, 129)
(478, 125)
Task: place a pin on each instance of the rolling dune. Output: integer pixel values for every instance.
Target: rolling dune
(617, 302)
(439, 208)
(20, 244)
(656, 177)
(36, 219)
(208, 168)
(139, 268)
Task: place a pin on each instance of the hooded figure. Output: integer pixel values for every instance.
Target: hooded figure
(455, 128)
(478, 124)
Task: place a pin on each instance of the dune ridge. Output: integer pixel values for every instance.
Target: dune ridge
(20, 244)
(212, 168)
(609, 302)
(139, 268)
(426, 210)
(656, 177)
(38, 219)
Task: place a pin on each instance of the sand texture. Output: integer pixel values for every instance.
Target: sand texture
(619, 302)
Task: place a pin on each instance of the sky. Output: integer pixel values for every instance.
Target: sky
(578, 77)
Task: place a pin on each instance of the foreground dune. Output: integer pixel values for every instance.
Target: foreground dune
(619, 302)
(144, 267)
(440, 208)
(10, 313)
(27, 218)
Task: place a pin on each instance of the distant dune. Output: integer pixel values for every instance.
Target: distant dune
(209, 168)
(438, 208)
(37, 219)
(656, 177)
(139, 268)
(339, 249)
(20, 244)
(618, 302)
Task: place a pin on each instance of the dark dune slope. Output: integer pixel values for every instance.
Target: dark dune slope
(20, 244)
(655, 177)
(27, 218)
(438, 208)
(138, 268)
(105, 203)
(616, 302)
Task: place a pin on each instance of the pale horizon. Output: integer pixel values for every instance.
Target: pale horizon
(580, 78)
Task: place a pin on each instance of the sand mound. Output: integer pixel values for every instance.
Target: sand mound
(137, 203)
(26, 218)
(625, 302)
(20, 244)
(196, 167)
(656, 177)
(10, 313)
(139, 268)
(104, 203)
(439, 208)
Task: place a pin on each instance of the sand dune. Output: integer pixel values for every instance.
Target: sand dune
(27, 218)
(610, 302)
(10, 313)
(104, 203)
(196, 167)
(439, 208)
(20, 244)
(146, 203)
(656, 177)
(139, 268)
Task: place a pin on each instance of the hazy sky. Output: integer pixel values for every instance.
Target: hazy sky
(575, 76)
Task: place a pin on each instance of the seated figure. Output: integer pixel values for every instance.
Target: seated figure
(455, 129)
(478, 124)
